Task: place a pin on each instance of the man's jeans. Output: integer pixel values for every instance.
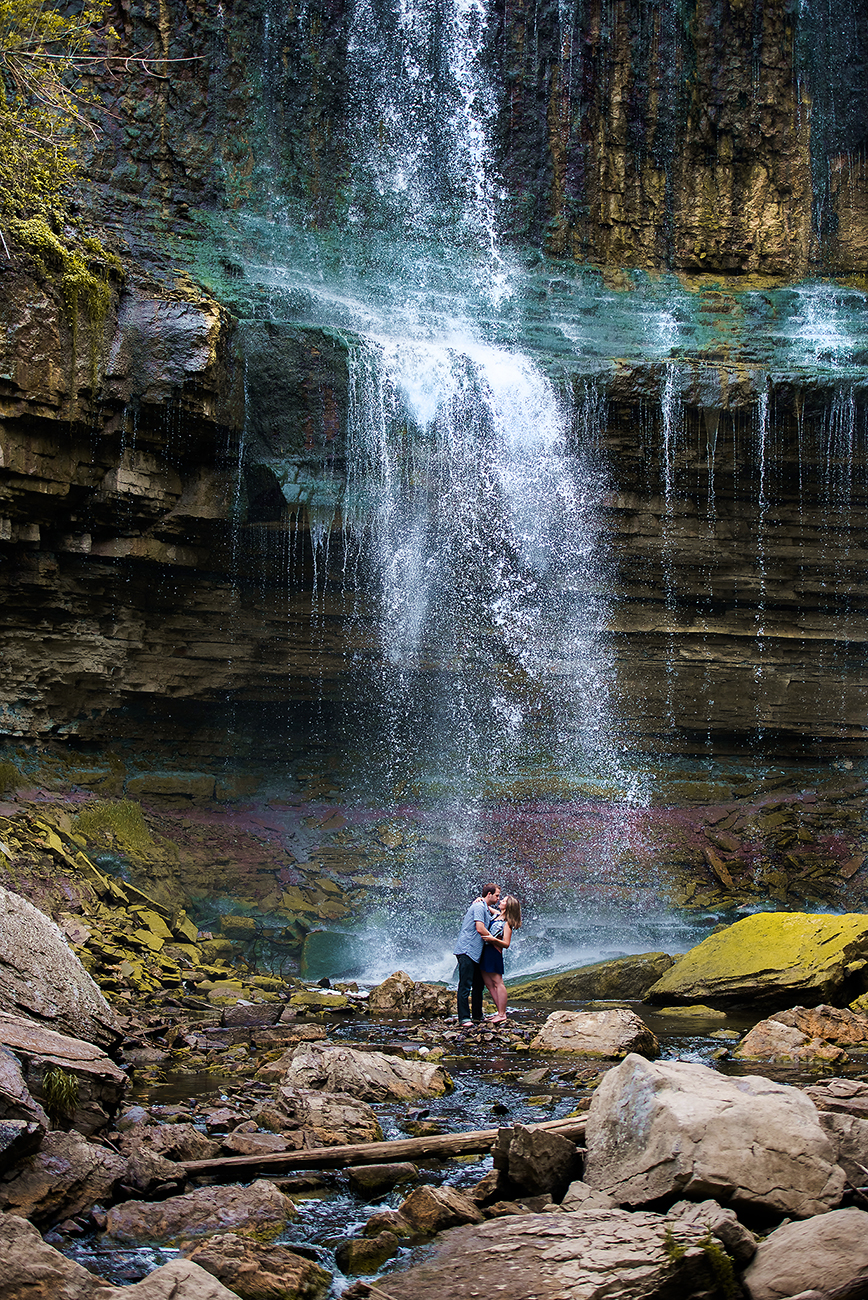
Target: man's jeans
(470, 987)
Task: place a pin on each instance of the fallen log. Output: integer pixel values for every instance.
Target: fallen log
(370, 1153)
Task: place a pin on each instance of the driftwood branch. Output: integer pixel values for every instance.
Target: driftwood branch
(370, 1153)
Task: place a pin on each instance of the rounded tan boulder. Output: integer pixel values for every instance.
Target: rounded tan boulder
(608, 1034)
(666, 1129)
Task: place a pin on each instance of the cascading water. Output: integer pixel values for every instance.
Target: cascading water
(464, 532)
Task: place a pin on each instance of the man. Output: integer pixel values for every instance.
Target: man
(468, 950)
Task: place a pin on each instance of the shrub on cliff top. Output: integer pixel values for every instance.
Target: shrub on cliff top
(45, 59)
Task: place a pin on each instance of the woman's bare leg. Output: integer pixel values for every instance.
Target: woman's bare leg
(498, 992)
(488, 978)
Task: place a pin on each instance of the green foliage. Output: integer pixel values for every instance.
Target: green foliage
(673, 1248)
(10, 777)
(721, 1267)
(122, 818)
(82, 287)
(45, 59)
(60, 1092)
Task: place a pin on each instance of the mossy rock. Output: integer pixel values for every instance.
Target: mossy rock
(778, 958)
(314, 1000)
(622, 977)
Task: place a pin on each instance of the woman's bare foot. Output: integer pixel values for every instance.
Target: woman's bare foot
(498, 1020)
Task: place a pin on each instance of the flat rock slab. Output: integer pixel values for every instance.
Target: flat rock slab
(259, 1210)
(665, 1129)
(622, 977)
(369, 1076)
(590, 1255)
(820, 1254)
(606, 1034)
(42, 979)
(770, 956)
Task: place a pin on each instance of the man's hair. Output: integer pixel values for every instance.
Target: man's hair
(489, 889)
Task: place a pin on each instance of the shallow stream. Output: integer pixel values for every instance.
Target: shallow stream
(489, 1071)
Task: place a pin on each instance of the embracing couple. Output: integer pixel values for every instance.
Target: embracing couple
(485, 931)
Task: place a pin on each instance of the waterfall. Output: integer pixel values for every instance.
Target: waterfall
(477, 527)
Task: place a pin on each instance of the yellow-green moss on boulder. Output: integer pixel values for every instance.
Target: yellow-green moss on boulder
(782, 957)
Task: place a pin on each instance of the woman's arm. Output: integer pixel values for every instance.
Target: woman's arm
(504, 942)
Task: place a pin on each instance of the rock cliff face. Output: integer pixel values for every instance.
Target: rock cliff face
(157, 567)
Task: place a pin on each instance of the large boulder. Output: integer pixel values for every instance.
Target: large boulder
(609, 1034)
(33, 1270)
(671, 1129)
(65, 1176)
(41, 977)
(832, 1024)
(820, 1254)
(331, 1118)
(580, 1256)
(776, 957)
(369, 1076)
(94, 1084)
(255, 1270)
(401, 995)
(258, 1210)
(620, 978)
(174, 1141)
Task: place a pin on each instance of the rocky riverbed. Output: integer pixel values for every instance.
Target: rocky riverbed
(232, 1125)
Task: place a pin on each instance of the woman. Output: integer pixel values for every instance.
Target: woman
(501, 929)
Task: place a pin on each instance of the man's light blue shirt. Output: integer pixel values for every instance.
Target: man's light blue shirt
(470, 941)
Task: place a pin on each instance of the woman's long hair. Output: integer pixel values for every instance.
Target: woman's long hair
(511, 912)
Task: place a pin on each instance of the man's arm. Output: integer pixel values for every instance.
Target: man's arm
(480, 929)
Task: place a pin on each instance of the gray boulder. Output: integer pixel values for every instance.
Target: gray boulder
(369, 1076)
(331, 1118)
(609, 1034)
(401, 995)
(849, 1134)
(41, 977)
(821, 1254)
(673, 1129)
(722, 1223)
(429, 1210)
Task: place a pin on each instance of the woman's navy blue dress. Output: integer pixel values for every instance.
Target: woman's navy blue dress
(492, 957)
